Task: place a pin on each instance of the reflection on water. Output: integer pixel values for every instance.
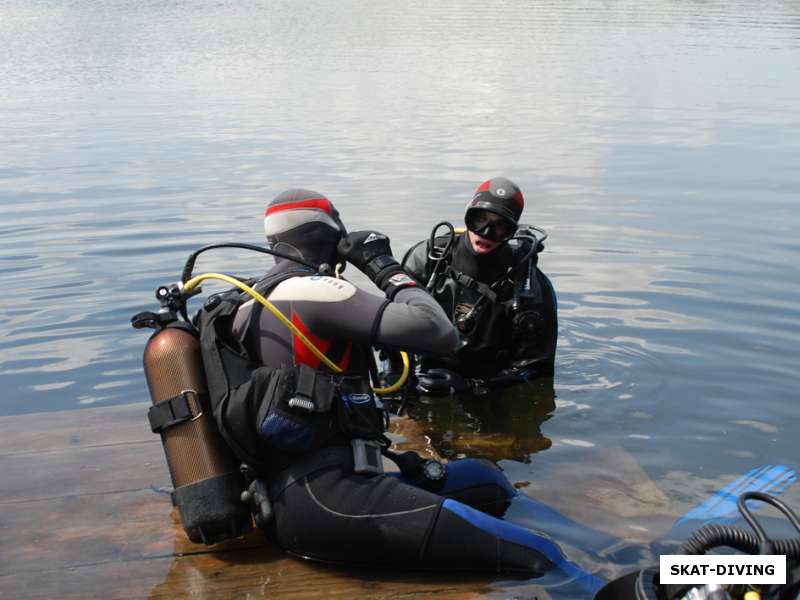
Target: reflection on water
(498, 426)
(658, 147)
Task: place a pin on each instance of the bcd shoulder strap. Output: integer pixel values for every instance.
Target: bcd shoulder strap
(472, 283)
(227, 362)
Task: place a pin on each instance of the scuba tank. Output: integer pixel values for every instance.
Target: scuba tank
(205, 475)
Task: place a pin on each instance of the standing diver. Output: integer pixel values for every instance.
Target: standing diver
(491, 288)
(315, 437)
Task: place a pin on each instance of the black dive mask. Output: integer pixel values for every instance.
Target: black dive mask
(482, 223)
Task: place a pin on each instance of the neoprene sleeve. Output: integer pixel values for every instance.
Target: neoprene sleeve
(335, 309)
(415, 321)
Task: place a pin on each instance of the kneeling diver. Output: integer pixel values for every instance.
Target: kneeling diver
(491, 288)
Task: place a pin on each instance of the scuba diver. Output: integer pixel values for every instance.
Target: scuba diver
(288, 375)
(488, 282)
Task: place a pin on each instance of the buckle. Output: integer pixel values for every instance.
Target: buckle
(192, 399)
(185, 406)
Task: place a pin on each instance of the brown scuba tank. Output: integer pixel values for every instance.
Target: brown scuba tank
(204, 472)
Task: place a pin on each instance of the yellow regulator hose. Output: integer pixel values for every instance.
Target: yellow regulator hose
(390, 389)
(195, 281)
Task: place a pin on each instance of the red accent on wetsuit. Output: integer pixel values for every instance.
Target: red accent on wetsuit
(320, 203)
(345, 362)
(304, 355)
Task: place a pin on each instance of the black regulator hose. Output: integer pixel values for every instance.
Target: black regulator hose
(189, 266)
(711, 536)
(741, 504)
(535, 243)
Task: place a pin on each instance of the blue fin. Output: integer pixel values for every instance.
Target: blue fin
(721, 506)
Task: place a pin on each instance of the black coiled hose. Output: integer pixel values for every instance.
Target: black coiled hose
(711, 536)
(646, 585)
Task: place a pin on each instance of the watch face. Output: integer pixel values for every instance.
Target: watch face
(433, 470)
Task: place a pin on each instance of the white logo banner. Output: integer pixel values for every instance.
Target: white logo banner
(729, 568)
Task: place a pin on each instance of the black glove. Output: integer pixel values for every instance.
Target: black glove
(441, 382)
(370, 252)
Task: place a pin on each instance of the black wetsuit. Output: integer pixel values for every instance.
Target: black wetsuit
(330, 513)
(508, 324)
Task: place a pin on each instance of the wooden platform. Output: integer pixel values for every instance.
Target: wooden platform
(85, 513)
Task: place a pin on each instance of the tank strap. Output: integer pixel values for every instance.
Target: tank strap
(186, 406)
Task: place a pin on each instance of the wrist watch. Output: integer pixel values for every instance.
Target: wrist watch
(433, 470)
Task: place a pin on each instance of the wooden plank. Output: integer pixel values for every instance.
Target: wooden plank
(261, 573)
(75, 428)
(73, 531)
(112, 581)
(84, 512)
(82, 470)
(121, 545)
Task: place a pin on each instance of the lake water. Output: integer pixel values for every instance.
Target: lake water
(657, 142)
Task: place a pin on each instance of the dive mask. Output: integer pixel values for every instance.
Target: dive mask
(490, 225)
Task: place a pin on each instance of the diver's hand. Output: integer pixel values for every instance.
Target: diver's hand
(441, 382)
(370, 252)
(367, 251)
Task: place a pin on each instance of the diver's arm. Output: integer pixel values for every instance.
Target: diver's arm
(412, 320)
(415, 321)
(336, 309)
